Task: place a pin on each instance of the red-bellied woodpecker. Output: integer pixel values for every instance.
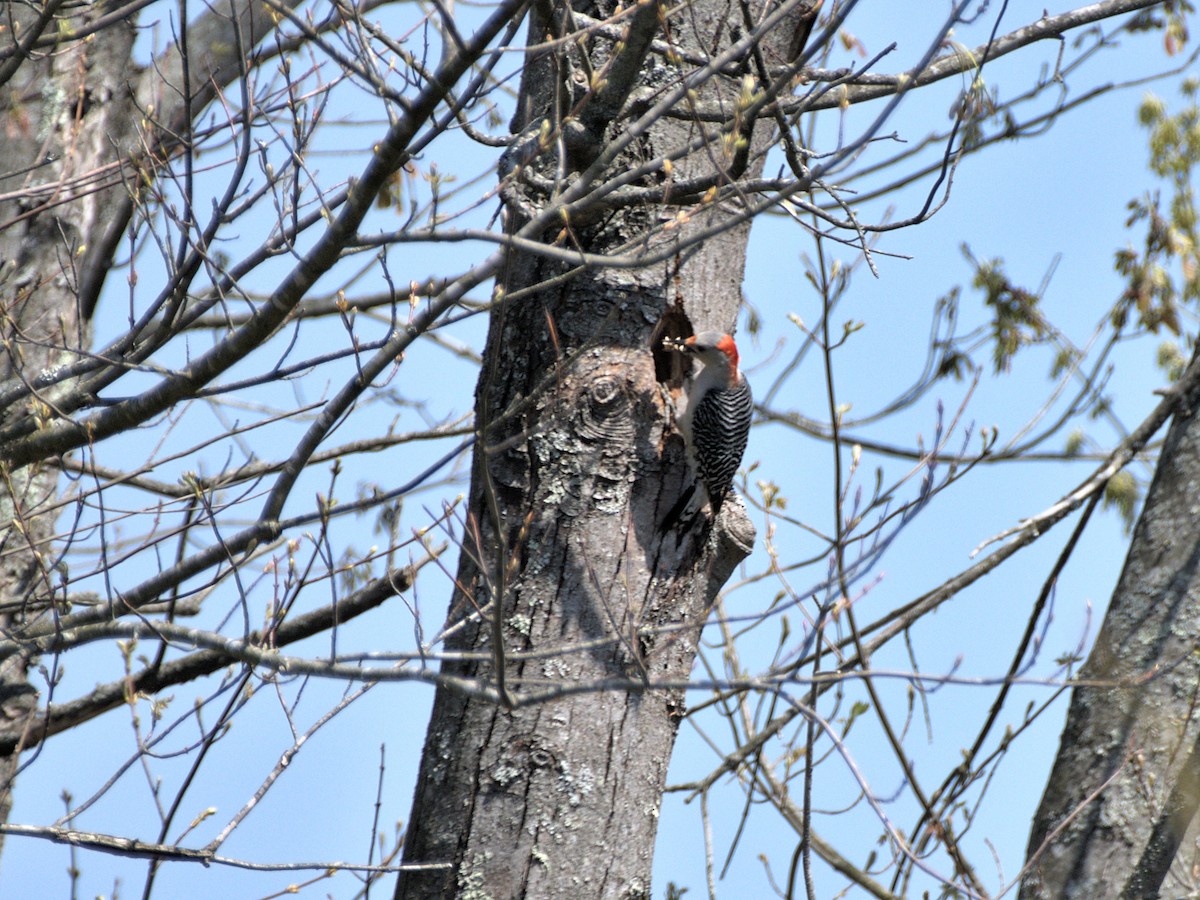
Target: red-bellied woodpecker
(714, 419)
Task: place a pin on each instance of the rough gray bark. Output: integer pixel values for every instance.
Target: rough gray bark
(77, 113)
(1123, 789)
(574, 470)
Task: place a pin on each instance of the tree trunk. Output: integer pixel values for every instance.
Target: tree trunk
(565, 582)
(1124, 787)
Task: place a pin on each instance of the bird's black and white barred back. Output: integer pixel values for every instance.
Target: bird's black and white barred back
(714, 419)
(725, 414)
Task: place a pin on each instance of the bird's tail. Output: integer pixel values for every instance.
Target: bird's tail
(686, 510)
